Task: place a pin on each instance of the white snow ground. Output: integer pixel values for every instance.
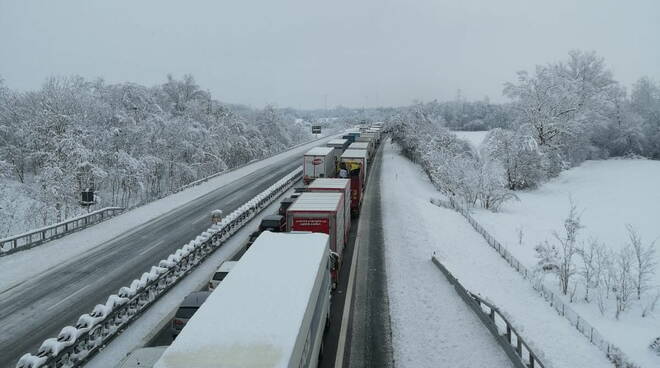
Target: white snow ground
(427, 329)
(13, 268)
(609, 195)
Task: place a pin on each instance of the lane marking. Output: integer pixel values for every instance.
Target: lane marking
(339, 360)
(151, 247)
(68, 297)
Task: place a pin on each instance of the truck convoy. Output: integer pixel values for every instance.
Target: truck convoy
(272, 308)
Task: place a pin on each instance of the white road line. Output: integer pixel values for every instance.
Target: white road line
(339, 359)
(68, 297)
(151, 247)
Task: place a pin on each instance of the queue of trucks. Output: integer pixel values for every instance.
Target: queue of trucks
(272, 306)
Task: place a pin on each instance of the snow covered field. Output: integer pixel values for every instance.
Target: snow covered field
(609, 194)
(430, 327)
(13, 268)
(474, 138)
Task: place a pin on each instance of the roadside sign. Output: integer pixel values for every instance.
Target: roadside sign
(316, 129)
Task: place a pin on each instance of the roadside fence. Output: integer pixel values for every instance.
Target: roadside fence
(36, 237)
(515, 347)
(613, 353)
(74, 345)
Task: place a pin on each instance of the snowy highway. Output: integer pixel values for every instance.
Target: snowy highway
(38, 308)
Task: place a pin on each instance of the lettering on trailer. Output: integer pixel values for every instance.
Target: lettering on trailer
(316, 129)
(317, 161)
(315, 225)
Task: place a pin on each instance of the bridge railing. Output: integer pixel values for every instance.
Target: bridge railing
(76, 344)
(613, 352)
(36, 237)
(518, 351)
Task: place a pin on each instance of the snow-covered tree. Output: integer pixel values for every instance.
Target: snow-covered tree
(558, 258)
(518, 154)
(644, 260)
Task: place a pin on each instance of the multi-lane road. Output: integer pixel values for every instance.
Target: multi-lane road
(38, 308)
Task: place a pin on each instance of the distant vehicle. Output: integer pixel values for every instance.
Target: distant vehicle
(142, 357)
(271, 312)
(319, 162)
(216, 216)
(186, 309)
(220, 274)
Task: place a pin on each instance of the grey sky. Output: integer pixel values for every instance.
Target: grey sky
(297, 52)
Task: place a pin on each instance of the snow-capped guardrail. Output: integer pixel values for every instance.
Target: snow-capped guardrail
(518, 351)
(613, 352)
(74, 345)
(36, 237)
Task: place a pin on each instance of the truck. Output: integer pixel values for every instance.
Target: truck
(342, 186)
(319, 162)
(349, 138)
(319, 213)
(356, 163)
(363, 146)
(338, 144)
(270, 311)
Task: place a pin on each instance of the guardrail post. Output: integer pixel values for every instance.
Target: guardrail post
(508, 333)
(519, 346)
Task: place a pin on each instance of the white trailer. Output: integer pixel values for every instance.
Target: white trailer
(319, 162)
(270, 311)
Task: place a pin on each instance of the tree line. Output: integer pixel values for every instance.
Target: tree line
(128, 142)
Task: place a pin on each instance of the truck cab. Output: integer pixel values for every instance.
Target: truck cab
(274, 223)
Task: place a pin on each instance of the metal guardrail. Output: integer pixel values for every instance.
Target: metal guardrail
(613, 352)
(75, 345)
(518, 351)
(36, 237)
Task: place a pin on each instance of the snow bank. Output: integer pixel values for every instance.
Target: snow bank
(414, 229)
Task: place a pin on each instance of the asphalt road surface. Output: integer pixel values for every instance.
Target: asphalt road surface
(369, 340)
(38, 308)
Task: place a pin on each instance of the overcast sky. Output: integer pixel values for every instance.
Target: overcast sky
(308, 53)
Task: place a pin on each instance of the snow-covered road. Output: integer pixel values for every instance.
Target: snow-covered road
(430, 324)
